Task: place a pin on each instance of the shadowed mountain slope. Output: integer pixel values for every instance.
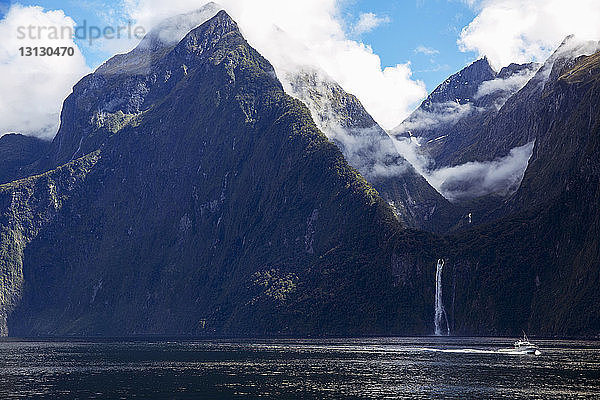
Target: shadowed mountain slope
(208, 204)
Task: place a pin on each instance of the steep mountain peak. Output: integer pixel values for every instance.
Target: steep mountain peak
(206, 36)
(563, 58)
(575, 46)
(127, 85)
(173, 29)
(328, 101)
(462, 86)
(514, 68)
(158, 41)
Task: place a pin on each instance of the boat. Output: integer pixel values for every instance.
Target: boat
(523, 346)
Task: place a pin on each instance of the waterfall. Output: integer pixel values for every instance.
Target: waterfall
(439, 305)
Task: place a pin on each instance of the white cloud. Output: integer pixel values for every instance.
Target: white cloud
(447, 113)
(428, 51)
(367, 148)
(472, 179)
(522, 31)
(504, 88)
(292, 34)
(369, 21)
(511, 84)
(33, 88)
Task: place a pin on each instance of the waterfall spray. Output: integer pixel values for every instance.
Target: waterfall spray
(439, 305)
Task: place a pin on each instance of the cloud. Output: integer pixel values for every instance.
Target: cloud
(369, 21)
(33, 88)
(473, 179)
(365, 145)
(372, 154)
(428, 51)
(503, 88)
(522, 31)
(511, 84)
(439, 114)
(294, 34)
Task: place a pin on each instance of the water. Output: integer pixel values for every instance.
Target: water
(439, 304)
(409, 368)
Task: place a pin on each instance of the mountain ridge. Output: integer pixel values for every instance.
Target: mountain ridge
(193, 196)
(255, 220)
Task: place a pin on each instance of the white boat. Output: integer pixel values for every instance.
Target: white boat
(523, 346)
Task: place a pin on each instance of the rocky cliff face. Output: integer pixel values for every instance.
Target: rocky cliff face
(370, 150)
(451, 119)
(17, 152)
(208, 203)
(28, 206)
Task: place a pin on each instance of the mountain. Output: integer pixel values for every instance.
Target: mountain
(537, 268)
(518, 122)
(186, 193)
(370, 150)
(193, 196)
(451, 118)
(18, 151)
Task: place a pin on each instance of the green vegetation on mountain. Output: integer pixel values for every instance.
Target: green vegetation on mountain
(28, 205)
(190, 195)
(222, 210)
(16, 152)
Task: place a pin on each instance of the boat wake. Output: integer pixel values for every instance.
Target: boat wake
(479, 351)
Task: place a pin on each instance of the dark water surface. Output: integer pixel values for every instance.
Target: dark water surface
(409, 368)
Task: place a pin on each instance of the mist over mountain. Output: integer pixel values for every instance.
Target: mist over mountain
(198, 198)
(545, 251)
(450, 120)
(370, 150)
(190, 190)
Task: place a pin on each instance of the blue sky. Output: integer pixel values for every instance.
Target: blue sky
(432, 24)
(389, 54)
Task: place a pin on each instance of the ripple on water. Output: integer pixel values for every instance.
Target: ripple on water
(411, 368)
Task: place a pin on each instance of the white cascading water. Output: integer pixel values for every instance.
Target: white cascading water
(439, 305)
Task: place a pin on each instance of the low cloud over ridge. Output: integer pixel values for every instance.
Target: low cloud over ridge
(33, 88)
(296, 34)
(522, 31)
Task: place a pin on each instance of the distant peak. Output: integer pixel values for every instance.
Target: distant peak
(215, 28)
(572, 46)
(482, 63)
(567, 39)
(171, 30)
(222, 16)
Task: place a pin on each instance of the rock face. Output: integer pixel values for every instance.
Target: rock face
(538, 268)
(16, 152)
(452, 118)
(370, 150)
(195, 197)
